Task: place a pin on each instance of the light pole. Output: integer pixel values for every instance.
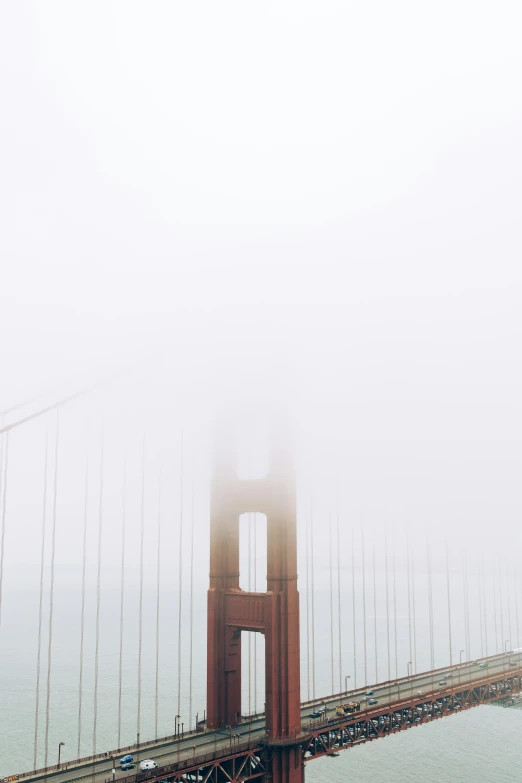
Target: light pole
(505, 645)
(230, 730)
(60, 752)
(176, 726)
(347, 677)
(460, 661)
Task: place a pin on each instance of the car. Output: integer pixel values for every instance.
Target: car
(147, 764)
(316, 714)
(443, 682)
(128, 759)
(420, 693)
(369, 693)
(127, 765)
(372, 701)
(513, 663)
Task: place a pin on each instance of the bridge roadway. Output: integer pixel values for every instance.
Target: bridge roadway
(195, 744)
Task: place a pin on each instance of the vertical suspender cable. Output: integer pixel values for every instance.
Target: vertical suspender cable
(516, 606)
(98, 602)
(180, 584)
(158, 593)
(480, 612)
(313, 598)
(395, 616)
(495, 615)
(255, 635)
(331, 606)
(40, 607)
(501, 603)
(339, 601)
(82, 613)
(3, 495)
(430, 608)
(375, 616)
(122, 592)
(140, 605)
(51, 591)
(364, 608)
(387, 605)
(409, 595)
(353, 615)
(191, 606)
(510, 632)
(249, 522)
(414, 614)
(485, 611)
(307, 569)
(466, 619)
(449, 606)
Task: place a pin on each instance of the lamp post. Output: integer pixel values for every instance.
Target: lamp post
(60, 752)
(176, 725)
(460, 661)
(230, 730)
(113, 767)
(505, 645)
(346, 678)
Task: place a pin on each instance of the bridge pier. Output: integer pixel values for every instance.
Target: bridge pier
(274, 613)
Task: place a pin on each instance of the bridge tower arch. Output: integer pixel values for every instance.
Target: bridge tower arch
(274, 613)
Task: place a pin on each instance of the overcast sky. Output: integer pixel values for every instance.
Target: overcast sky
(324, 195)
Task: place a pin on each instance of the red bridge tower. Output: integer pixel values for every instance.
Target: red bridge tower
(274, 613)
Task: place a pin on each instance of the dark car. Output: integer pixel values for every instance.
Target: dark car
(316, 714)
(372, 701)
(127, 765)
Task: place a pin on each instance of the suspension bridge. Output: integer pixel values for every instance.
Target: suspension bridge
(224, 741)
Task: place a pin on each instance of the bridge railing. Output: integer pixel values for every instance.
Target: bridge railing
(65, 765)
(404, 680)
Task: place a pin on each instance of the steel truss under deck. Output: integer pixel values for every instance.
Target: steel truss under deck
(390, 719)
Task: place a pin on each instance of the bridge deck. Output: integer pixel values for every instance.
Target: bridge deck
(318, 736)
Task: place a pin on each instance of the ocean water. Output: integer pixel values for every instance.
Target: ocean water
(479, 746)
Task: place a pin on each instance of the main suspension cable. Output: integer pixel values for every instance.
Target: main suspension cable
(40, 606)
(82, 612)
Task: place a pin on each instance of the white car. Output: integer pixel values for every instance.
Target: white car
(147, 764)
